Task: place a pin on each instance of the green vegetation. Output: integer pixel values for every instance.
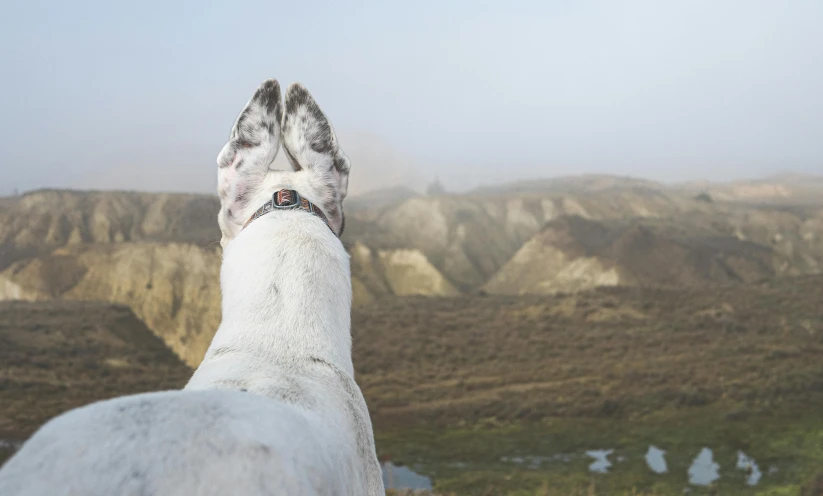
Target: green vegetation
(477, 460)
(456, 386)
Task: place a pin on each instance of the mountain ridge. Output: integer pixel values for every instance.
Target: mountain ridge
(158, 252)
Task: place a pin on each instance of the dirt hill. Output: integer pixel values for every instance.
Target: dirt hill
(468, 238)
(572, 254)
(39, 222)
(157, 253)
(729, 243)
(58, 355)
(786, 188)
(173, 287)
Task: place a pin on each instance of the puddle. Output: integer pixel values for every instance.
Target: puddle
(400, 477)
(748, 465)
(601, 461)
(656, 460)
(704, 470)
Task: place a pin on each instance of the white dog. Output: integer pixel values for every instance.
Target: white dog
(274, 408)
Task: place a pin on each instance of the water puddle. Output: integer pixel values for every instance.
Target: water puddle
(704, 470)
(401, 477)
(656, 460)
(601, 462)
(748, 465)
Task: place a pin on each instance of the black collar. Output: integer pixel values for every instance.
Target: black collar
(287, 199)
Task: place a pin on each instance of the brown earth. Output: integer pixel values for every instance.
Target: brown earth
(157, 253)
(55, 356)
(728, 244)
(39, 222)
(613, 352)
(608, 354)
(173, 287)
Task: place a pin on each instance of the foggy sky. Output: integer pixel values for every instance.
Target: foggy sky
(142, 95)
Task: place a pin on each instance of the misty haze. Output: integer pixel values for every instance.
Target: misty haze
(585, 238)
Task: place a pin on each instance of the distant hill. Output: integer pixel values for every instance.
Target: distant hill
(158, 253)
(38, 222)
(573, 253)
(590, 183)
(789, 188)
(468, 238)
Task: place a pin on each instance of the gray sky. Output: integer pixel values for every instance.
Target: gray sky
(142, 94)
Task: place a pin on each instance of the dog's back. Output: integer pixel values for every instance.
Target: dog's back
(187, 442)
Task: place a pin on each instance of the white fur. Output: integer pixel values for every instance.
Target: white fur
(273, 409)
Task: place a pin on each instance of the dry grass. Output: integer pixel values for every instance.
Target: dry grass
(55, 356)
(609, 353)
(477, 361)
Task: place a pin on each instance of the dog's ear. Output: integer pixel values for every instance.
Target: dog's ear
(245, 159)
(312, 148)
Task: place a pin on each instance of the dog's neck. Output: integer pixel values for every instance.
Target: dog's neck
(286, 287)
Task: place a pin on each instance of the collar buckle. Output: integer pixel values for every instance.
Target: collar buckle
(286, 199)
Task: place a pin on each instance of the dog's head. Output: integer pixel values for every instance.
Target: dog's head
(320, 169)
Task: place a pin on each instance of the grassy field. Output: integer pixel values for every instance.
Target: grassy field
(458, 385)
(787, 447)
(504, 395)
(55, 356)
(612, 353)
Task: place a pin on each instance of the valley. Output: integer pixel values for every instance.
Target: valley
(534, 321)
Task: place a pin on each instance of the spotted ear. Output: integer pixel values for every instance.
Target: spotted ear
(311, 146)
(245, 159)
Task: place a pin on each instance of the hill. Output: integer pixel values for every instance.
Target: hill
(158, 253)
(727, 245)
(173, 287)
(468, 238)
(788, 188)
(39, 222)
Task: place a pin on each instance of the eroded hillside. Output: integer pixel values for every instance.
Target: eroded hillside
(173, 287)
(158, 253)
(727, 244)
(40, 222)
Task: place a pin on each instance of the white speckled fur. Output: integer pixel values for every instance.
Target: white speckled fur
(273, 409)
